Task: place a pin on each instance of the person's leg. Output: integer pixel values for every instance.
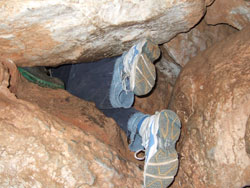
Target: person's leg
(99, 82)
(112, 82)
(159, 134)
(122, 117)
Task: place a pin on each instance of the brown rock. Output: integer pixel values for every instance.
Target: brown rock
(212, 98)
(41, 146)
(187, 45)
(156, 100)
(233, 12)
(49, 32)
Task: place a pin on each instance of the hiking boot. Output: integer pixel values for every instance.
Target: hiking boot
(139, 67)
(39, 76)
(159, 135)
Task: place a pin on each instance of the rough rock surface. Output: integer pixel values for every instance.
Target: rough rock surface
(212, 98)
(40, 148)
(168, 67)
(158, 99)
(46, 32)
(233, 12)
(187, 45)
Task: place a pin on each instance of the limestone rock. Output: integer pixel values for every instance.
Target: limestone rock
(187, 45)
(39, 147)
(233, 12)
(212, 98)
(45, 32)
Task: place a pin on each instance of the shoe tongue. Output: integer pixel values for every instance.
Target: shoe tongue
(144, 130)
(140, 123)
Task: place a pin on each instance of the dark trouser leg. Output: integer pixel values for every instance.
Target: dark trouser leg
(128, 119)
(97, 82)
(89, 81)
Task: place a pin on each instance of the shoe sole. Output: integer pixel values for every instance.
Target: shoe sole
(30, 77)
(151, 50)
(144, 76)
(163, 165)
(143, 68)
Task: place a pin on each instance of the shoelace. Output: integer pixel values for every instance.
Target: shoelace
(128, 61)
(145, 130)
(145, 134)
(124, 77)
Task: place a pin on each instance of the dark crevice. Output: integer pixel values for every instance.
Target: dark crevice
(226, 24)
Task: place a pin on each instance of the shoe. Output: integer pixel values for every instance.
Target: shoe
(139, 67)
(159, 135)
(39, 76)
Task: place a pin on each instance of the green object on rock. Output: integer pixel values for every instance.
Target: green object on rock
(38, 75)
